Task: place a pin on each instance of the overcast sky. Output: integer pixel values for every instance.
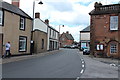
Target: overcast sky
(73, 14)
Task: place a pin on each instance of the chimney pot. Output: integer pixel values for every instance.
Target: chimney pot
(37, 15)
(67, 32)
(16, 3)
(47, 21)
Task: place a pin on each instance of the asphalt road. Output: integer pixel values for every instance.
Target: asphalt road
(67, 63)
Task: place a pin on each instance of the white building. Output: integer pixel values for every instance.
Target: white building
(40, 33)
(85, 38)
(39, 24)
(53, 38)
(52, 34)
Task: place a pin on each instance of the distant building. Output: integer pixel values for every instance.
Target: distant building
(39, 35)
(15, 27)
(66, 39)
(105, 30)
(85, 38)
(53, 38)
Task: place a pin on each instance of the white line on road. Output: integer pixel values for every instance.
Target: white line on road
(78, 78)
(81, 71)
(83, 65)
(82, 62)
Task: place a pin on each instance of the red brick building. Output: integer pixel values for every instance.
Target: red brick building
(66, 39)
(105, 30)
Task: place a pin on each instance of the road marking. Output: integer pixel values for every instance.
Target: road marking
(78, 78)
(81, 71)
(82, 61)
(83, 65)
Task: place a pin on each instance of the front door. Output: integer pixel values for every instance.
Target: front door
(1, 44)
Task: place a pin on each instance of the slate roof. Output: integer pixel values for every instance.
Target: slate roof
(87, 29)
(69, 36)
(11, 8)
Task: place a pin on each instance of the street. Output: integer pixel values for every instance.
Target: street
(64, 64)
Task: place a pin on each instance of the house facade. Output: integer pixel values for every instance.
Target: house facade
(66, 39)
(53, 38)
(105, 30)
(85, 38)
(15, 27)
(39, 35)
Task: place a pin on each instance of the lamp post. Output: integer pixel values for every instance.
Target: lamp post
(34, 6)
(59, 34)
(32, 42)
(59, 27)
(34, 11)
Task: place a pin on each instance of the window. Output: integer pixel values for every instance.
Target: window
(22, 23)
(63, 39)
(22, 43)
(1, 17)
(42, 43)
(113, 48)
(100, 47)
(114, 23)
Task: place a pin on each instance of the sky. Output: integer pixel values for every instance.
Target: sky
(73, 14)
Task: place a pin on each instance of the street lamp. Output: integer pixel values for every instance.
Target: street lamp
(32, 42)
(59, 33)
(34, 11)
(59, 27)
(34, 6)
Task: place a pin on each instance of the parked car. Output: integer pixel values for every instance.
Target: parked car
(86, 51)
(67, 46)
(74, 46)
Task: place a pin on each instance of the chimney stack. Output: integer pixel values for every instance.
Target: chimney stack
(16, 3)
(67, 32)
(47, 21)
(37, 15)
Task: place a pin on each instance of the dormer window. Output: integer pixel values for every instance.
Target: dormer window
(1, 17)
(113, 22)
(22, 23)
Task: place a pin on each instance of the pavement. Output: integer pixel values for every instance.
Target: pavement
(100, 67)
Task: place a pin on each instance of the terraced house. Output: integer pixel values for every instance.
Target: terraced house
(105, 30)
(15, 26)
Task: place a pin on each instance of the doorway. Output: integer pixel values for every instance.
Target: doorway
(1, 44)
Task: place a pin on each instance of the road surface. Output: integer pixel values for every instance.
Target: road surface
(67, 63)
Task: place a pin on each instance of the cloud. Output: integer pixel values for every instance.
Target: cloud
(61, 6)
(71, 13)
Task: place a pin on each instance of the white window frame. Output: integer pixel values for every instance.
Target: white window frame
(1, 17)
(23, 41)
(100, 47)
(113, 22)
(22, 23)
(113, 48)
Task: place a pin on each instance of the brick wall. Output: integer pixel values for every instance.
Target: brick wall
(101, 33)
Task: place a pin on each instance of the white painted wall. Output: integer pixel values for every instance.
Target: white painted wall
(85, 36)
(38, 24)
(48, 39)
(52, 37)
